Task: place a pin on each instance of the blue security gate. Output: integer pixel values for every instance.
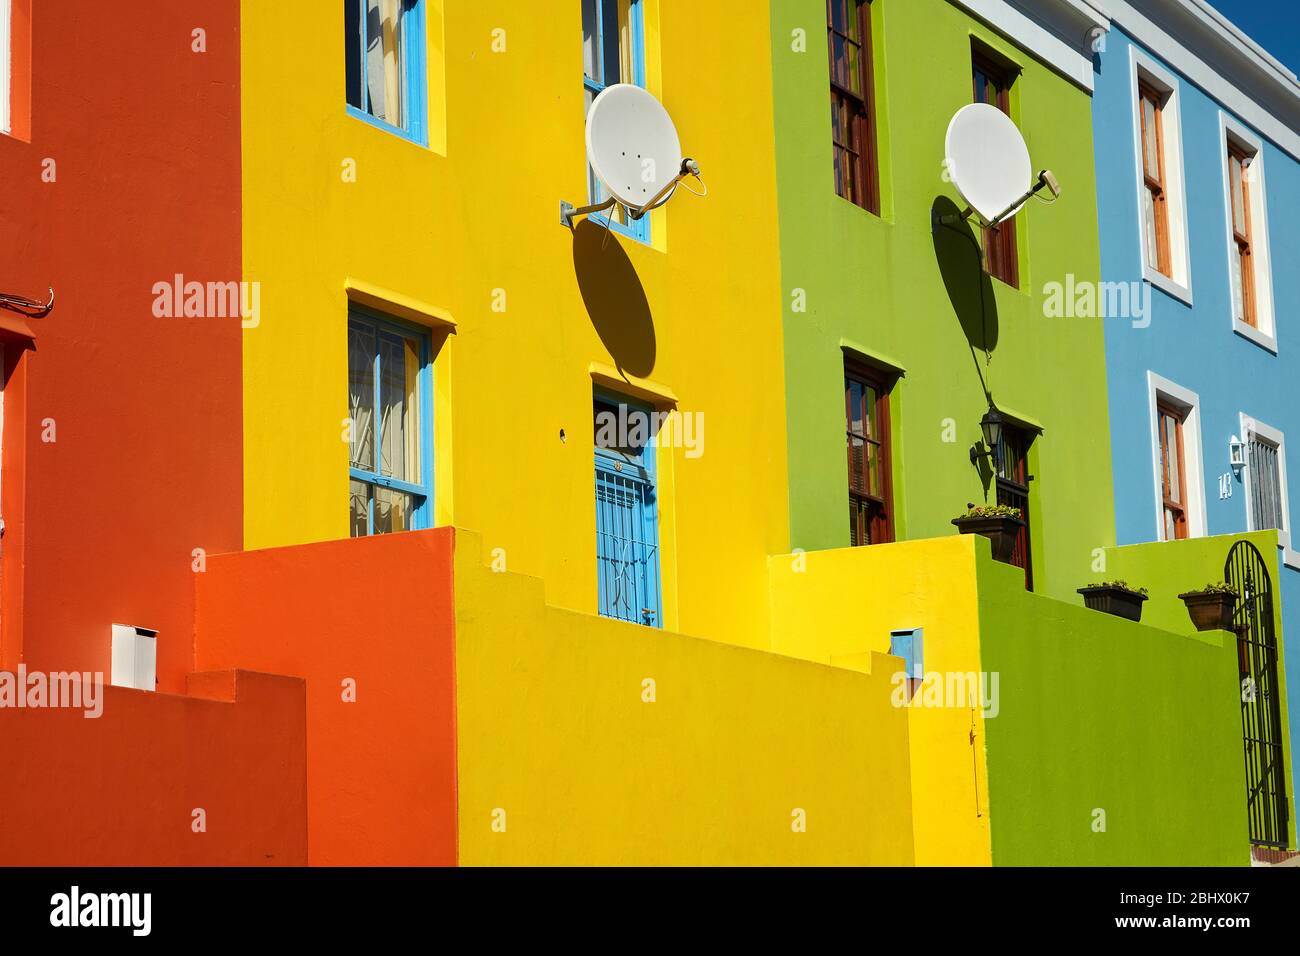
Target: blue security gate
(627, 520)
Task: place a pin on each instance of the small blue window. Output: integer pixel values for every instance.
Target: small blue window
(390, 411)
(385, 65)
(613, 51)
(909, 645)
(627, 511)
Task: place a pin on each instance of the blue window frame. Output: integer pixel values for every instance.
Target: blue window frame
(385, 65)
(627, 511)
(613, 51)
(390, 407)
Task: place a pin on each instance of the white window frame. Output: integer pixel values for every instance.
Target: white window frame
(6, 9)
(1251, 426)
(1144, 69)
(1266, 333)
(1161, 389)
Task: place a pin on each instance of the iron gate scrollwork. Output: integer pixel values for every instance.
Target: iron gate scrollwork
(1261, 704)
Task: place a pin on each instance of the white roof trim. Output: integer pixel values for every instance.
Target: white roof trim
(1060, 33)
(1246, 63)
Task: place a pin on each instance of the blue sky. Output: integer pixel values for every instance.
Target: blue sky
(1273, 24)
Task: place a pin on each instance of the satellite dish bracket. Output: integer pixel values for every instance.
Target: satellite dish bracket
(568, 211)
(1045, 181)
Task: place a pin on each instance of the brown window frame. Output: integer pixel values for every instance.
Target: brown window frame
(1012, 485)
(871, 510)
(859, 182)
(1244, 241)
(1001, 255)
(1170, 504)
(1155, 181)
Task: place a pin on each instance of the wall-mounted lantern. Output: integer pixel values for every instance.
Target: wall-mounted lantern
(991, 428)
(1237, 455)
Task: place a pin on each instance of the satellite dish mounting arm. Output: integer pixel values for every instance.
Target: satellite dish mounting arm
(567, 212)
(689, 167)
(1046, 180)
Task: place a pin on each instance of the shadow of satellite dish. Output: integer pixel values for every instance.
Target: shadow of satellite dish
(958, 254)
(614, 298)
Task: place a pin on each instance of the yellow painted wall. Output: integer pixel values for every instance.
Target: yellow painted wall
(840, 606)
(475, 217)
(552, 729)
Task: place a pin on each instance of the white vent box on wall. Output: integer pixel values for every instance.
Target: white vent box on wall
(135, 657)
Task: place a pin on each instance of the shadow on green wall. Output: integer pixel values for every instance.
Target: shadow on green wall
(960, 259)
(615, 299)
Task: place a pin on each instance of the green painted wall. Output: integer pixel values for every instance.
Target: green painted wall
(1167, 569)
(1099, 713)
(887, 286)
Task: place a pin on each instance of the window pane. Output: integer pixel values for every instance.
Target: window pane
(384, 60)
(361, 395)
(354, 43)
(359, 509)
(1149, 218)
(611, 55)
(1152, 156)
(399, 431)
(590, 40)
(856, 424)
(1173, 465)
(857, 464)
(394, 511)
(1238, 304)
(1238, 206)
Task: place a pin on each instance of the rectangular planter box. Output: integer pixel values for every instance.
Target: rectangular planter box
(1002, 532)
(1116, 601)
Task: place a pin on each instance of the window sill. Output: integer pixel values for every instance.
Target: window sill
(1290, 558)
(419, 140)
(1170, 287)
(1262, 339)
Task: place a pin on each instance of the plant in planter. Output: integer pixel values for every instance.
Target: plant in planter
(1210, 608)
(999, 523)
(1115, 597)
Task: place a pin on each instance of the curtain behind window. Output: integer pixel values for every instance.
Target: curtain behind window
(384, 66)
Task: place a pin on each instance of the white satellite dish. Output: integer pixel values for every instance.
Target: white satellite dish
(632, 144)
(633, 149)
(989, 163)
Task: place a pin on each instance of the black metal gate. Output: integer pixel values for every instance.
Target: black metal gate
(1261, 704)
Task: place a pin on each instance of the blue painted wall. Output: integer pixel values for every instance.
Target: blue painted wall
(1195, 346)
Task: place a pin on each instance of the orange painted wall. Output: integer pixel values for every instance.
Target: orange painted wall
(144, 137)
(121, 789)
(381, 774)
